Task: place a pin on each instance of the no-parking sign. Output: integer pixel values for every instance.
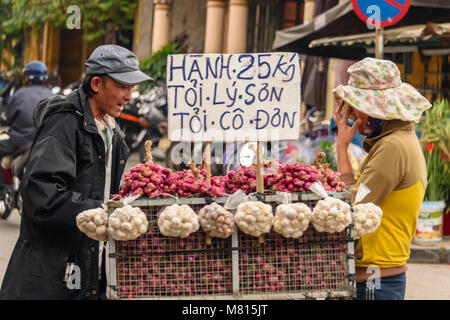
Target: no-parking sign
(381, 13)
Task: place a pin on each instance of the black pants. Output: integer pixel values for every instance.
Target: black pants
(6, 148)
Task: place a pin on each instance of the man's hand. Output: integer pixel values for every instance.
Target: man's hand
(345, 133)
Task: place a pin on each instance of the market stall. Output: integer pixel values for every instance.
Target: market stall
(268, 228)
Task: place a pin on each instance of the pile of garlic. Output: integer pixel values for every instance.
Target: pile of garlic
(94, 223)
(367, 218)
(331, 215)
(291, 220)
(178, 221)
(254, 218)
(216, 221)
(127, 223)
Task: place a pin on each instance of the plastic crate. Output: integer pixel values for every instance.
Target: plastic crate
(317, 265)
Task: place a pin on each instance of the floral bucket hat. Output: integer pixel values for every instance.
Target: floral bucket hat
(375, 88)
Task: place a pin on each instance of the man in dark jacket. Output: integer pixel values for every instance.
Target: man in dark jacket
(77, 160)
(19, 111)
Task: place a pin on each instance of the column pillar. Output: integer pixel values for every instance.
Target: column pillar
(215, 19)
(161, 23)
(31, 50)
(50, 55)
(7, 56)
(237, 26)
(308, 14)
(142, 37)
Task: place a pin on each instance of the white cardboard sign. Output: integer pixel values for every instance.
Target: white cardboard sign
(233, 97)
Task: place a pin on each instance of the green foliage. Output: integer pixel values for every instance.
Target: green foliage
(5, 14)
(156, 64)
(435, 128)
(17, 16)
(26, 13)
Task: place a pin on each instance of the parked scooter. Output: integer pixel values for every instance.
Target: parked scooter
(13, 167)
(145, 118)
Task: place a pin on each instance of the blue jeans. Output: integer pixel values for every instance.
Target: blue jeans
(389, 288)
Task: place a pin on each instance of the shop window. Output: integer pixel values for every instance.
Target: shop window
(292, 13)
(268, 16)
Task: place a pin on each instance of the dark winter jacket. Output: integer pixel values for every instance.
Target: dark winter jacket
(65, 175)
(19, 113)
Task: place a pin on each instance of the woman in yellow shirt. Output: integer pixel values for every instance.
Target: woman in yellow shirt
(385, 110)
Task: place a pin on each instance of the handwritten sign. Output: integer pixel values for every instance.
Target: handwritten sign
(233, 97)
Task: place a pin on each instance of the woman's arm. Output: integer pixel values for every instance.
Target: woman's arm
(345, 134)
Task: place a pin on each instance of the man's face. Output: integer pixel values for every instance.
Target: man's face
(111, 96)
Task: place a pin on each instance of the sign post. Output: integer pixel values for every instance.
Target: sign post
(379, 14)
(379, 43)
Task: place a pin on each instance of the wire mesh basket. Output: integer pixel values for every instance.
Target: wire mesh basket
(317, 265)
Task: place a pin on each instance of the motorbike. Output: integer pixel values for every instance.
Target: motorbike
(13, 167)
(145, 118)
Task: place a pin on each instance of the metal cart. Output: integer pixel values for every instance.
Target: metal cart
(318, 265)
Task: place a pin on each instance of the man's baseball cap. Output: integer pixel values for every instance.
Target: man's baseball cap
(117, 62)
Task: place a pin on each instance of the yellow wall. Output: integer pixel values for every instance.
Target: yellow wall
(7, 57)
(51, 44)
(416, 77)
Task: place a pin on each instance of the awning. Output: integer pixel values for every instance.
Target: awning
(341, 20)
(432, 38)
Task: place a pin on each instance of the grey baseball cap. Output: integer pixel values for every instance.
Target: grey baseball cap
(117, 62)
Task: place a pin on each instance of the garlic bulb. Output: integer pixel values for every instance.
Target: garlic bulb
(127, 223)
(254, 218)
(291, 220)
(367, 218)
(331, 215)
(216, 221)
(94, 223)
(178, 221)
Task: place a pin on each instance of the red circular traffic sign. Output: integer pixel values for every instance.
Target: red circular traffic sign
(389, 11)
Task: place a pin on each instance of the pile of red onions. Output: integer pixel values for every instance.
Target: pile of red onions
(154, 266)
(290, 177)
(183, 272)
(152, 181)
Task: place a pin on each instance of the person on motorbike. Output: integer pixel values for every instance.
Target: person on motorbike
(19, 111)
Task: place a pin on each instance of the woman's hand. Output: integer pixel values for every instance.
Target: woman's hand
(345, 133)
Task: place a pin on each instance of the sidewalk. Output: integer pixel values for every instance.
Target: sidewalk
(431, 252)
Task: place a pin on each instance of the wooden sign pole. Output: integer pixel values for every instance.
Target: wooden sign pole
(207, 157)
(379, 43)
(259, 177)
(259, 169)
(207, 160)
